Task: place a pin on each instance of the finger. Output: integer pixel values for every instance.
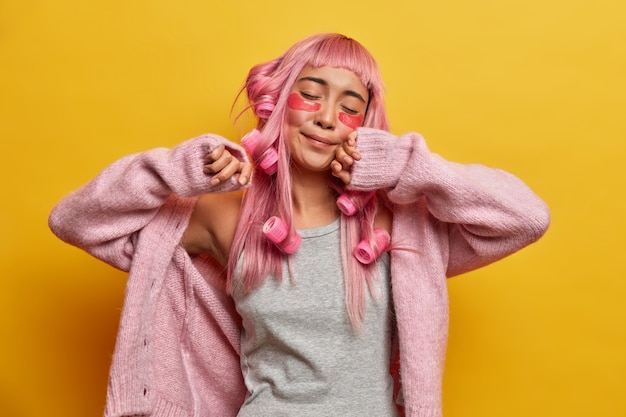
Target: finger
(351, 145)
(354, 154)
(343, 157)
(340, 154)
(336, 167)
(352, 138)
(338, 170)
(245, 173)
(348, 160)
(348, 153)
(214, 155)
(225, 159)
(343, 176)
(226, 172)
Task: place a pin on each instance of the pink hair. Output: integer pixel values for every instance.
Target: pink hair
(267, 87)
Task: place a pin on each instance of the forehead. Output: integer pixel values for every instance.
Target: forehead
(336, 78)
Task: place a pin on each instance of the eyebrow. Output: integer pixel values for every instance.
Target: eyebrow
(323, 82)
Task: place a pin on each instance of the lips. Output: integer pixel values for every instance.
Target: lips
(319, 139)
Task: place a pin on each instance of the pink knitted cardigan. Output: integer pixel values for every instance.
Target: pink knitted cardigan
(177, 352)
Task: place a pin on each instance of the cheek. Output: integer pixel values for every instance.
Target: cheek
(352, 121)
(296, 102)
(296, 118)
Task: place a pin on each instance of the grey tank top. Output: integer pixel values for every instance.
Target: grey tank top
(299, 353)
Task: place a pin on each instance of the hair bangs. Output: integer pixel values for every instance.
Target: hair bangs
(343, 52)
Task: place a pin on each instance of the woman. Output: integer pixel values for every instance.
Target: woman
(318, 290)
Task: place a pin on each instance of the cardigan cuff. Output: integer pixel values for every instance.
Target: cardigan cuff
(383, 159)
(130, 407)
(164, 408)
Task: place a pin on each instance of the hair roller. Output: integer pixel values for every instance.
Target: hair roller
(251, 141)
(291, 244)
(349, 202)
(268, 160)
(264, 110)
(366, 253)
(262, 95)
(275, 229)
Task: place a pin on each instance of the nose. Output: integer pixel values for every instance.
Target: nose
(325, 117)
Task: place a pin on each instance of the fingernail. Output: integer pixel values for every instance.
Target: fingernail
(215, 181)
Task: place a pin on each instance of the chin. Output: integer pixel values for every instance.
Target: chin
(310, 166)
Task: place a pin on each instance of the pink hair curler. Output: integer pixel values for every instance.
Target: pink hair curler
(264, 110)
(291, 244)
(366, 254)
(349, 202)
(251, 140)
(276, 231)
(268, 160)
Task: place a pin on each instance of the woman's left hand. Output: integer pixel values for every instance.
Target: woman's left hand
(345, 155)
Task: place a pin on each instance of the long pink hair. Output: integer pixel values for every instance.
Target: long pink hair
(267, 87)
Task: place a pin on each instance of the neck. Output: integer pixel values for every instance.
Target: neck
(314, 201)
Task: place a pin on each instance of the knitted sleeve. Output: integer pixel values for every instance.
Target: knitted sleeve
(490, 213)
(104, 216)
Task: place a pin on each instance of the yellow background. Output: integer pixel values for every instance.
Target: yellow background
(536, 87)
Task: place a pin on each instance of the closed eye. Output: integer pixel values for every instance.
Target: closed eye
(349, 110)
(308, 96)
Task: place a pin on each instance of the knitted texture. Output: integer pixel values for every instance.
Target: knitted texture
(178, 344)
(133, 216)
(456, 218)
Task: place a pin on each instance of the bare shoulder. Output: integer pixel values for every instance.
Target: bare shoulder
(212, 225)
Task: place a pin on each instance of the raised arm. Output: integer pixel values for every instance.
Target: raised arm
(490, 213)
(104, 216)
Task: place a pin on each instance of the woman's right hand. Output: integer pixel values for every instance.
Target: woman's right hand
(222, 165)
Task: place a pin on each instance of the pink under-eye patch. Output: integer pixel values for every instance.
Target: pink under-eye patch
(296, 102)
(351, 120)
